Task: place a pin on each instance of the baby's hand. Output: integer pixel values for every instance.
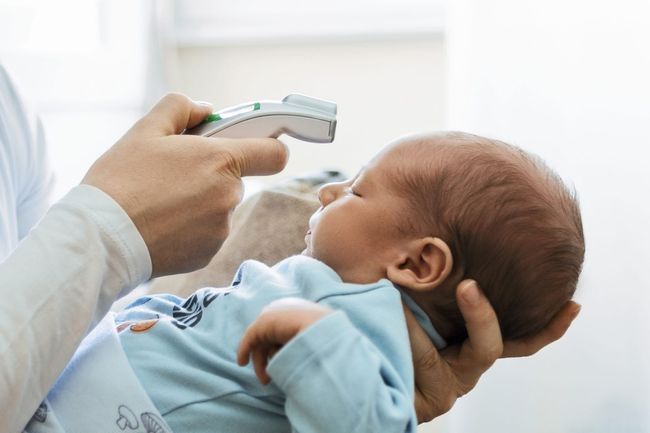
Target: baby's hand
(278, 323)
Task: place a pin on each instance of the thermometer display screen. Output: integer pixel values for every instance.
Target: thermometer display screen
(236, 110)
(239, 110)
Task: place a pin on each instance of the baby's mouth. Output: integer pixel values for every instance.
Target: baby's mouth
(306, 251)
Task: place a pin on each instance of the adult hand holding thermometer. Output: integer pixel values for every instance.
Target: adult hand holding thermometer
(299, 116)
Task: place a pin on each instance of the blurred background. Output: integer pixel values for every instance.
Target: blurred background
(568, 80)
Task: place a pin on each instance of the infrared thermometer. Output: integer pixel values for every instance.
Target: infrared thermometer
(299, 116)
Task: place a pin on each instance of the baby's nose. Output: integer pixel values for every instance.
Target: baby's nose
(326, 193)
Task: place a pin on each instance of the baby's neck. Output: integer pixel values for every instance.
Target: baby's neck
(442, 325)
(444, 328)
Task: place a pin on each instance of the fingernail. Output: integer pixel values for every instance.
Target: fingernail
(469, 292)
(204, 103)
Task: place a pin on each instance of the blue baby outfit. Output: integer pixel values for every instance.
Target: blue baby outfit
(349, 372)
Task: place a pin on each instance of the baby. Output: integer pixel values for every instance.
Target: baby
(326, 329)
(436, 209)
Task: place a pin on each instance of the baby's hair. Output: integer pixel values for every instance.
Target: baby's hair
(509, 220)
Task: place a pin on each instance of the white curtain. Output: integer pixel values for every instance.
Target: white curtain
(570, 81)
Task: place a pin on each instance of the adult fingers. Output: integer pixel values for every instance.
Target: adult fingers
(552, 332)
(255, 156)
(484, 344)
(173, 114)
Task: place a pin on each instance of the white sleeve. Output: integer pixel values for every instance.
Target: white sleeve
(34, 195)
(55, 286)
(28, 177)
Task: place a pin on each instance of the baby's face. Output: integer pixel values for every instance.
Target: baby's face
(356, 230)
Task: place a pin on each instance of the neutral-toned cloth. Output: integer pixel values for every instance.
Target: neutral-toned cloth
(267, 227)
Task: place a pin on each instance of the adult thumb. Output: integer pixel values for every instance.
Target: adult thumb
(173, 114)
(256, 156)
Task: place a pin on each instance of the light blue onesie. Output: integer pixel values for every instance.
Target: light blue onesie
(349, 372)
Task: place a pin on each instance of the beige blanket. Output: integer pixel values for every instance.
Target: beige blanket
(268, 227)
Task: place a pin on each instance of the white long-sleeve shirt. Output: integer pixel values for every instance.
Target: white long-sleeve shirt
(25, 175)
(64, 274)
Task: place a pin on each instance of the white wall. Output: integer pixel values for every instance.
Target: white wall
(569, 81)
(86, 73)
(383, 88)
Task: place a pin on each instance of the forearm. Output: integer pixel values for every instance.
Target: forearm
(56, 285)
(335, 378)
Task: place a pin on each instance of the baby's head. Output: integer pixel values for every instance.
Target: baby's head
(431, 210)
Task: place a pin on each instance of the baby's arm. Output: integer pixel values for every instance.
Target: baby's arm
(278, 323)
(333, 377)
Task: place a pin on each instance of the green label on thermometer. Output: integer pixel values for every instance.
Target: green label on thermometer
(212, 118)
(232, 112)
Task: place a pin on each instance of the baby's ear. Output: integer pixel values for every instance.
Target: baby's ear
(425, 265)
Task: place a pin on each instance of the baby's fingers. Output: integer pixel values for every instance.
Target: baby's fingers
(260, 361)
(252, 345)
(260, 351)
(247, 345)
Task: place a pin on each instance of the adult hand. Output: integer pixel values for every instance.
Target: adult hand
(442, 377)
(180, 190)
